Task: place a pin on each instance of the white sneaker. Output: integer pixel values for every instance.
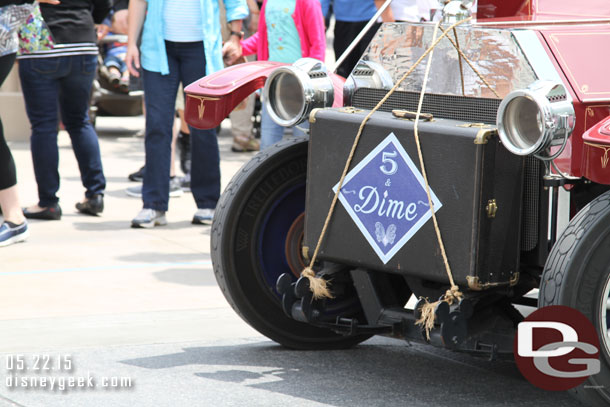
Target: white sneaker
(203, 216)
(149, 218)
(175, 189)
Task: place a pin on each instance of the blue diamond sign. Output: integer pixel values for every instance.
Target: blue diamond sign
(385, 195)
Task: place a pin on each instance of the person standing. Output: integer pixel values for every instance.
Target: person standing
(14, 227)
(287, 31)
(181, 42)
(59, 81)
(350, 18)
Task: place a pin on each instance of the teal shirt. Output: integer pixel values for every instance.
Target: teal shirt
(153, 54)
(282, 34)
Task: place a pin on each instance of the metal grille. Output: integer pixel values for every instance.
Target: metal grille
(531, 201)
(445, 106)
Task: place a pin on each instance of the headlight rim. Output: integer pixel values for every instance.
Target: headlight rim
(557, 118)
(318, 91)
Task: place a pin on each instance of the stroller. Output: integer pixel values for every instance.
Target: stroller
(106, 99)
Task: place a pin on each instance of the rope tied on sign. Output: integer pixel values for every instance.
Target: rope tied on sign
(319, 286)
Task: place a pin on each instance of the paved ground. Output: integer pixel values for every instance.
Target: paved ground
(143, 305)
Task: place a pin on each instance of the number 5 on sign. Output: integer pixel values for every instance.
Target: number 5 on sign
(386, 158)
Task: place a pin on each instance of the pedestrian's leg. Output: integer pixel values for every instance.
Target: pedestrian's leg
(271, 132)
(9, 197)
(75, 89)
(40, 92)
(205, 163)
(241, 126)
(160, 91)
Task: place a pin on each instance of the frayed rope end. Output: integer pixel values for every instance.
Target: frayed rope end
(317, 285)
(427, 317)
(427, 311)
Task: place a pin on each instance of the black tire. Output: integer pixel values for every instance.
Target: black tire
(268, 190)
(575, 274)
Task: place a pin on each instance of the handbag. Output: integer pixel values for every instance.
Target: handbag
(11, 18)
(34, 35)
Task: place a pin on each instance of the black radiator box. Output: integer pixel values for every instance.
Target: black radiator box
(464, 175)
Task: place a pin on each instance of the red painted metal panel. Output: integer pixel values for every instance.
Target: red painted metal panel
(596, 152)
(542, 10)
(570, 9)
(579, 51)
(210, 99)
(503, 8)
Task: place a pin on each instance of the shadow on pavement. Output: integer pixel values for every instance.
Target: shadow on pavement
(386, 373)
(191, 277)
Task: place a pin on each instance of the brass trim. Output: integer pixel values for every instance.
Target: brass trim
(484, 135)
(201, 107)
(406, 114)
(605, 158)
(513, 281)
(350, 109)
(491, 208)
(474, 283)
(312, 114)
(470, 125)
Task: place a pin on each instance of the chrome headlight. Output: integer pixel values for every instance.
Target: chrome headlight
(292, 92)
(533, 119)
(366, 74)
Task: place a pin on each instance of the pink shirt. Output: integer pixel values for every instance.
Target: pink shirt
(309, 22)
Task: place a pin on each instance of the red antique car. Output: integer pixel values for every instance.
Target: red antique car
(466, 161)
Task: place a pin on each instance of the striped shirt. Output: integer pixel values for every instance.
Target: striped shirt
(182, 20)
(62, 50)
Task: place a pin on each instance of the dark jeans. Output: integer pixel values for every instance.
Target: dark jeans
(186, 64)
(61, 84)
(8, 174)
(345, 32)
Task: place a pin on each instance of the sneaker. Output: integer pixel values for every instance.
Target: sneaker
(203, 216)
(149, 218)
(185, 183)
(175, 189)
(243, 144)
(137, 176)
(11, 233)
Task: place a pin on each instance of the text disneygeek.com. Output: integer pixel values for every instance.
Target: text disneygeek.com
(56, 373)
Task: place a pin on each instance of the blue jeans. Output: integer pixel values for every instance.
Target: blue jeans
(186, 64)
(271, 132)
(61, 84)
(115, 57)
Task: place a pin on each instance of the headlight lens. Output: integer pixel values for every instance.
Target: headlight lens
(286, 96)
(292, 92)
(534, 119)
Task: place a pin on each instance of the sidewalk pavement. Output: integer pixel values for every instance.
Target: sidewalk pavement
(90, 281)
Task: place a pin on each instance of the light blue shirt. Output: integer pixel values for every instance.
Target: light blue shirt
(183, 21)
(282, 35)
(153, 53)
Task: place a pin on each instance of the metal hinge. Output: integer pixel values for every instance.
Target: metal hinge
(491, 208)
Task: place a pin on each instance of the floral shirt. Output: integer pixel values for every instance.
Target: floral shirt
(11, 18)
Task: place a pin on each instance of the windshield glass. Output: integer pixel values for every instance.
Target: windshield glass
(493, 52)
